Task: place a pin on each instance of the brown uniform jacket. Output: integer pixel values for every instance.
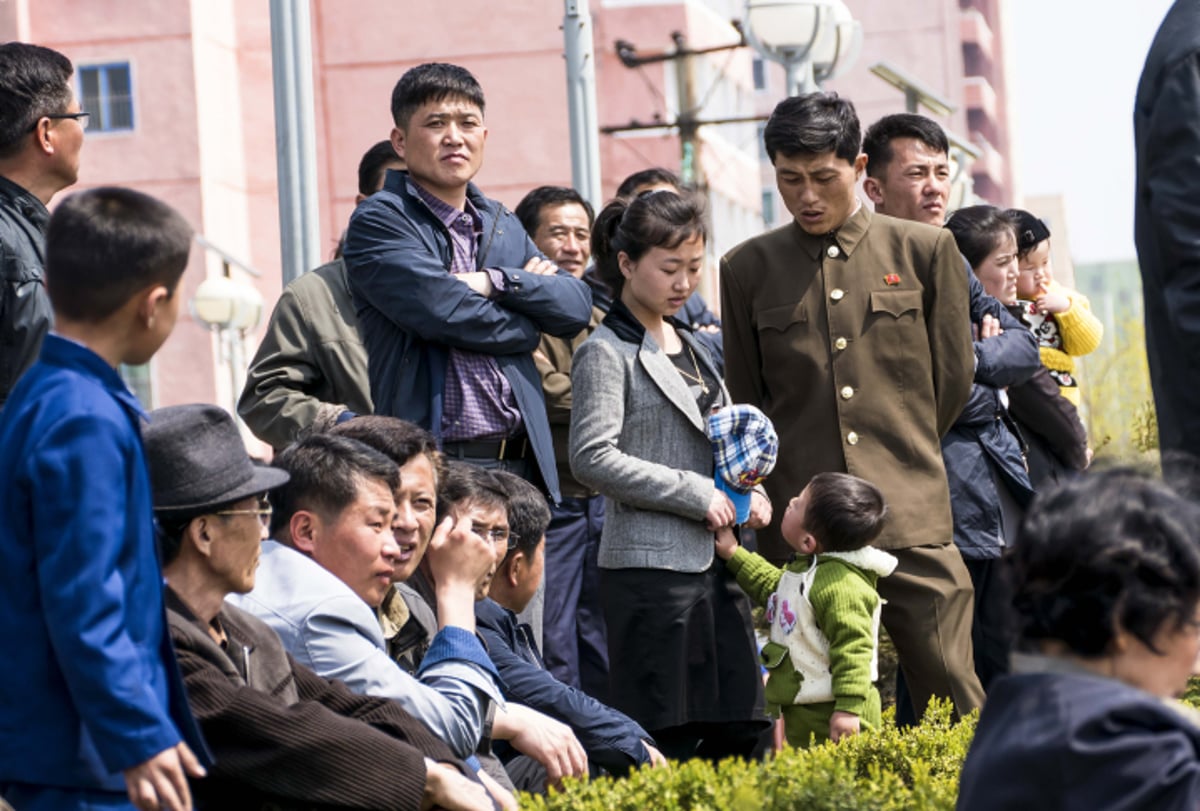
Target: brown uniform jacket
(858, 347)
(283, 737)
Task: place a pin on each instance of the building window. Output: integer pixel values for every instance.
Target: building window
(760, 73)
(768, 207)
(759, 129)
(106, 93)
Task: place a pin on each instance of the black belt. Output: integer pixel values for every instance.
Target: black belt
(498, 449)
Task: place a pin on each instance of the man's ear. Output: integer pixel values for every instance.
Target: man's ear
(197, 534)
(304, 528)
(513, 569)
(874, 191)
(398, 141)
(152, 299)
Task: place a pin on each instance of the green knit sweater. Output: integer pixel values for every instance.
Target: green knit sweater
(844, 602)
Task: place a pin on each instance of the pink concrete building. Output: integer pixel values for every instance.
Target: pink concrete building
(181, 96)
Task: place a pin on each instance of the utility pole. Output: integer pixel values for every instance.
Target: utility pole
(295, 145)
(581, 101)
(687, 120)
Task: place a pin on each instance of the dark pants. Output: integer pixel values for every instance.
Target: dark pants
(574, 646)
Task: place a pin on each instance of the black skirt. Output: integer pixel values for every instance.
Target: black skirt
(681, 647)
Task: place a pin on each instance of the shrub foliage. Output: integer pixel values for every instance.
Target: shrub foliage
(885, 770)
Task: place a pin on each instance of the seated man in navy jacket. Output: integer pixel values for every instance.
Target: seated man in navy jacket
(451, 294)
(612, 740)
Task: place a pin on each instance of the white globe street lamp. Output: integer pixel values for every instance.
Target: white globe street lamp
(814, 40)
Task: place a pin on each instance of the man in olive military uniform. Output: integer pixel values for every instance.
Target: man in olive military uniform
(851, 331)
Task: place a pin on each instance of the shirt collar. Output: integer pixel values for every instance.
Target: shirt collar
(60, 351)
(846, 236)
(446, 212)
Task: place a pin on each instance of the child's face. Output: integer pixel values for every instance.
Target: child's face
(1035, 272)
(792, 525)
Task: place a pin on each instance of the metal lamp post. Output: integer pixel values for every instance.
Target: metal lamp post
(813, 39)
(229, 309)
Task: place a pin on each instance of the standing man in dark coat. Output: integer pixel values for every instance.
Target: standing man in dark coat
(851, 331)
(452, 296)
(41, 133)
(1166, 128)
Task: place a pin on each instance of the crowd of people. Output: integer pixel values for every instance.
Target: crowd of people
(498, 543)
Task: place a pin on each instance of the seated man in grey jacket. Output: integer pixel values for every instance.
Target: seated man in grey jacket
(282, 736)
(338, 541)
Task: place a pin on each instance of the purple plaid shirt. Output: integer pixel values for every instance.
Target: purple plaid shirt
(477, 400)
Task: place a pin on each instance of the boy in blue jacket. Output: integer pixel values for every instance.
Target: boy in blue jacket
(92, 709)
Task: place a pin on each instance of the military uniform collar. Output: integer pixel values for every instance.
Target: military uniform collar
(846, 237)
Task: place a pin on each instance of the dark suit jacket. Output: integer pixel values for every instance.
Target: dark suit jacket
(282, 734)
(1066, 740)
(1167, 222)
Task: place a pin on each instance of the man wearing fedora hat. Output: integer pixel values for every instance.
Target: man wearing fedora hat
(281, 734)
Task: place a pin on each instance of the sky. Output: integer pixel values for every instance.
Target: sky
(1074, 67)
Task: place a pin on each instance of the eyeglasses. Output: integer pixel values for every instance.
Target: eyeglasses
(81, 117)
(496, 535)
(263, 512)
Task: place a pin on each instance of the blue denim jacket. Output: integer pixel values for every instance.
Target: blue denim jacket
(411, 310)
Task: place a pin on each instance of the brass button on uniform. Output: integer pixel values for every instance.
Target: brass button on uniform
(852, 438)
(840, 343)
(837, 293)
(832, 251)
(847, 392)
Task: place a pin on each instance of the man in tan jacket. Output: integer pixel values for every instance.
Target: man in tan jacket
(851, 331)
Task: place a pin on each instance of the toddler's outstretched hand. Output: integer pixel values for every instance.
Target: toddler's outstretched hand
(726, 542)
(842, 725)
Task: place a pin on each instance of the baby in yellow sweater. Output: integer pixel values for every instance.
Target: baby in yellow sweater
(1061, 318)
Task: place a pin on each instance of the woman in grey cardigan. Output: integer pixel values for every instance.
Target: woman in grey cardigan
(682, 654)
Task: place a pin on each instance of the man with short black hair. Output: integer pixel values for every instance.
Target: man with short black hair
(452, 295)
(328, 568)
(851, 331)
(611, 739)
(41, 134)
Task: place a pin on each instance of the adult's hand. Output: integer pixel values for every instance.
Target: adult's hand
(500, 794)
(760, 511)
(547, 741)
(458, 560)
(721, 512)
(160, 783)
(656, 757)
(540, 267)
(446, 787)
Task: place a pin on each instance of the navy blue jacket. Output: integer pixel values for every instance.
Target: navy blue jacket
(610, 738)
(91, 687)
(411, 310)
(1063, 741)
(982, 439)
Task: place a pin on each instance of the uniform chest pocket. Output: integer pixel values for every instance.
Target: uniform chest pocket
(896, 303)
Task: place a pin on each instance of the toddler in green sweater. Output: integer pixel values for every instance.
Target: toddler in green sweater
(822, 657)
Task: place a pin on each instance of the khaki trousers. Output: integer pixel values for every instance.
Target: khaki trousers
(928, 615)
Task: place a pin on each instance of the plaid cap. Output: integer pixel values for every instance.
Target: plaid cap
(745, 446)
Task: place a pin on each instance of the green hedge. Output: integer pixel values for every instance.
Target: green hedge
(886, 770)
